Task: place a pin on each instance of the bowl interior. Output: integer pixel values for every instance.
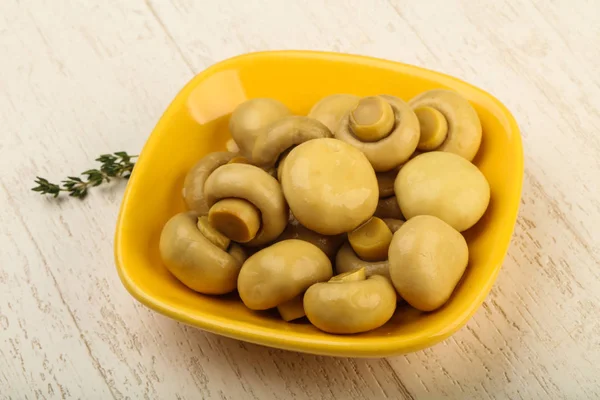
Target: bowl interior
(197, 123)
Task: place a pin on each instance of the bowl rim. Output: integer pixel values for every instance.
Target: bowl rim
(280, 339)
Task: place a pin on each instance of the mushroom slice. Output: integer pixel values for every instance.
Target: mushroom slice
(330, 186)
(444, 185)
(350, 305)
(283, 134)
(280, 272)
(330, 109)
(251, 117)
(193, 185)
(427, 259)
(365, 128)
(194, 260)
(448, 122)
(247, 184)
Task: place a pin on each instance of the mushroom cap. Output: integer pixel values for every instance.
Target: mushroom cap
(329, 244)
(248, 182)
(193, 185)
(330, 109)
(284, 133)
(444, 185)
(330, 186)
(249, 118)
(346, 307)
(195, 260)
(394, 149)
(280, 272)
(464, 126)
(427, 259)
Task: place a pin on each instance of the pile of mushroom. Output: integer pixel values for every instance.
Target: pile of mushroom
(336, 216)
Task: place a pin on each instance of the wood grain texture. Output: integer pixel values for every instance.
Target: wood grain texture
(81, 78)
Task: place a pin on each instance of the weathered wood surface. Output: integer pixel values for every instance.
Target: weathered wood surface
(81, 78)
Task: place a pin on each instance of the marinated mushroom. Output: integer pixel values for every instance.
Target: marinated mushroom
(384, 128)
(427, 259)
(353, 304)
(251, 117)
(371, 240)
(388, 208)
(330, 186)
(280, 272)
(448, 122)
(444, 185)
(193, 259)
(329, 244)
(193, 185)
(283, 134)
(330, 109)
(246, 204)
(385, 182)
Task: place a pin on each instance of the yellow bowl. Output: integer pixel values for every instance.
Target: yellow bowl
(196, 123)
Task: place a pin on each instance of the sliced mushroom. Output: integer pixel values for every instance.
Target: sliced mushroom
(280, 272)
(193, 185)
(329, 244)
(283, 134)
(251, 117)
(427, 259)
(444, 185)
(350, 305)
(330, 186)
(330, 109)
(194, 260)
(448, 122)
(388, 208)
(366, 128)
(257, 196)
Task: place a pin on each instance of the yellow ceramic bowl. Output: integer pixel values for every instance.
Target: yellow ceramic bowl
(196, 123)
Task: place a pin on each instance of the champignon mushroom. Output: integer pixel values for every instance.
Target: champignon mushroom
(280, 272)
(444, 185)
(330, 109)
(448, 122)
(194, 260)
(330, 186)
(193, 185)
(246, 204)
(371, 240)
(427, 259)
(385, 182)
(388, 208)
(251, 117)
(352, 304)
(329, 244)
(384, 128)
(284, 133)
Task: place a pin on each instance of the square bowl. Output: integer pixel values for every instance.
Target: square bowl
(196, 122)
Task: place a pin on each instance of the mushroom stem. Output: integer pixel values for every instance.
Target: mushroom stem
(237, 219)
(372, 119)
(292, 309)
(434, 128)
(350, 276)
(215, 237)
(239, 160)
(371, 240)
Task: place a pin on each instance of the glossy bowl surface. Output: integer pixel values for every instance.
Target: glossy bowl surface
(196, 123)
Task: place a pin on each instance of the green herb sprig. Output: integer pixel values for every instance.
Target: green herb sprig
(116, 165)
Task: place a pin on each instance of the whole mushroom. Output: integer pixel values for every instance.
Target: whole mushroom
(330, 109)
(246, 204)
(204, 266)
(427, 259)
(251, 117)
(282, 135)
(444, 185)
(384, 128)
(330, 186)
(193, 184)
(350, 304)
(280, 272)
(448, 122)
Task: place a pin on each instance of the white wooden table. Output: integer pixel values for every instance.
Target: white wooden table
(78, 79)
